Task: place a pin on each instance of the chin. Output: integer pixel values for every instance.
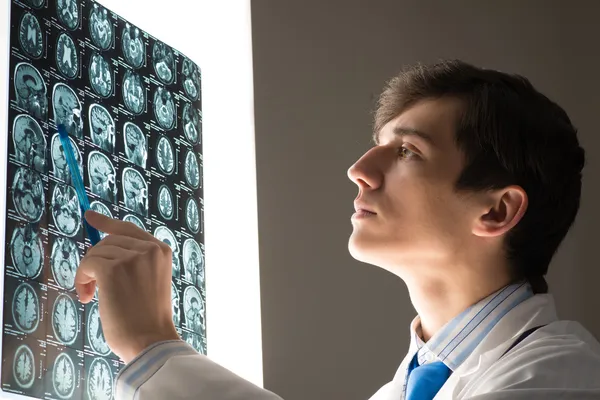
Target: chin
(364, 249)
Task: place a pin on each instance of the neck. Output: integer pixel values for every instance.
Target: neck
(438, 300)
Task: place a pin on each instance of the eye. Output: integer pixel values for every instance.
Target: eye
(406, 153)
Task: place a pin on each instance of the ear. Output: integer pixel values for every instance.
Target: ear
(503, 210)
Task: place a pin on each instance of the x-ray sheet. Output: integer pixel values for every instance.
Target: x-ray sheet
(132, 107)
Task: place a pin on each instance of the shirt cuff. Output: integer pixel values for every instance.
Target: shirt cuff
(146, 364)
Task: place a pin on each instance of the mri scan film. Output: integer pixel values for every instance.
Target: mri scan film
(101, 29)
(64, 261)
(131, 105)
(136, 146)
(27, 251)
(163, 62)
(29, 142)
(30, 35)
(65, 210)
(66, 56)
(102, 176)
(102, 128)
(28, 194)
(67, 109)
(134, 95)
(60, 169)
(30, 90)
(100, 75)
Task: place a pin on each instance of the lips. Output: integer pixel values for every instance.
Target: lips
(361, 207)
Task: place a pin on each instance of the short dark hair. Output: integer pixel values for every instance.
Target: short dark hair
(510, 134)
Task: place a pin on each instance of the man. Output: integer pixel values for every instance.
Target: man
(474, 181)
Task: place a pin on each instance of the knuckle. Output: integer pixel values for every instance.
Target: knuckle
(155, 249)
(129, 225)
(166, 249)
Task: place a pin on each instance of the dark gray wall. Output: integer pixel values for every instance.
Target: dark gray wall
(334, 328)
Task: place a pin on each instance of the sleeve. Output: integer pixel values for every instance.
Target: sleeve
(174, 370)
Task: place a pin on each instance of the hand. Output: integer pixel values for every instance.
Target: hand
(132, 270)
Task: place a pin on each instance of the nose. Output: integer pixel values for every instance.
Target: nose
(366, 173)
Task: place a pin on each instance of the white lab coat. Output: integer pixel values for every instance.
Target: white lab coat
(558, 361)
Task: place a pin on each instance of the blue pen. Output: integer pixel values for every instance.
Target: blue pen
(84, 202)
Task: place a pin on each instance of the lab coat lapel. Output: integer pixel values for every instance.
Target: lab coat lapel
(536, 311)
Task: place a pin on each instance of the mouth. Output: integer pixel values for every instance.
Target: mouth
(361, 213)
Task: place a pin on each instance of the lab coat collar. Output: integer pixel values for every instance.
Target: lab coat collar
(535, 311)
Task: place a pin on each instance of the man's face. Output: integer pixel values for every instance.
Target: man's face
(408, 182)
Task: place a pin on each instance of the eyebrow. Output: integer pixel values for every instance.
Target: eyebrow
(401, 131)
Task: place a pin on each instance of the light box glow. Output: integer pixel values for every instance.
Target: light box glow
(217, 36)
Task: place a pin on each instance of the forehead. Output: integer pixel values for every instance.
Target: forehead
(435, 118)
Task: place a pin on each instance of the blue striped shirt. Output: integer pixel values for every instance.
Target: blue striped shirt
(144, 366)
(456, 340)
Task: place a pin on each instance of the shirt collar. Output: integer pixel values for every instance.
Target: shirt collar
(456, 340)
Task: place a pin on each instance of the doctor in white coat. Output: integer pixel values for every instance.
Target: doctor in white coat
(473, 182)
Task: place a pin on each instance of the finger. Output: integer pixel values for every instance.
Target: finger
(86, 292)
(112, 252)
(125, 242)
(115, 226)
(85, 286)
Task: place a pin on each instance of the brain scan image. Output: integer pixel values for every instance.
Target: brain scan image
(164, 108)
(100, 75)
(24, 367)
(101, 29)
(64, 379)
(164, 62)
(26, 308)
(102, 128)
(30, 89)
(29, 142)
(59, 160)
(134, 95)
(175, 305)
(68, 13)
(191, 79)
(67, 109)
(28, 194)
(35, 3)
(27, 251)
(133, 46)
(136, 146)
(195, 341)
(192, 171)
(66, 56)
(134, 220)
(193, 262)
(164, 234)
(165, 155)
(95, 335)
(135, 191)
(100, 380)
(64, 319)
(193, 310)
(30, 36)
(102, 209)
(64, 261)
(165, 202)
(191, 123)
(192, 215)
(65, 210)
(102, 176)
